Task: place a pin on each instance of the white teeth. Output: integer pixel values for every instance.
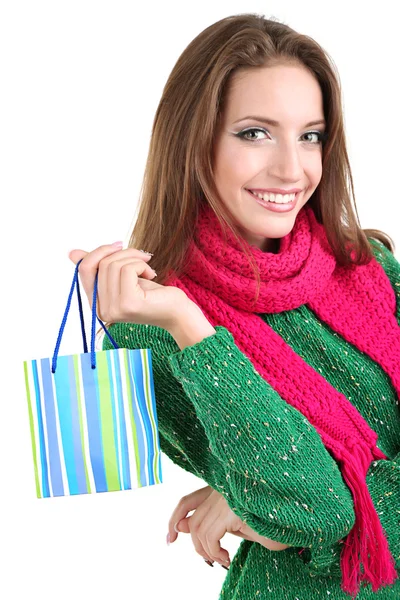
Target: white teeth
(278, 198)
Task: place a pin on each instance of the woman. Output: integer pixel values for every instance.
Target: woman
(274, 322)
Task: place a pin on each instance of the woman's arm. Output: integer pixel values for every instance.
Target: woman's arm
(253, 536)
(247, 463)
(191, 329)
(263, 443)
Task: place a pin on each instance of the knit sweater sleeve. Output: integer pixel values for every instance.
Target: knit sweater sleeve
(219, 419)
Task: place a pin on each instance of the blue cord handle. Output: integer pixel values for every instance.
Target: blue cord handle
(94, 303)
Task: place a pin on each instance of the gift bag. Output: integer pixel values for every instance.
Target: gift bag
(92, 416)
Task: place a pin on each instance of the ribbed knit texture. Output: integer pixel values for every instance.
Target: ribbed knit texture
(219, 419)
(359, 303)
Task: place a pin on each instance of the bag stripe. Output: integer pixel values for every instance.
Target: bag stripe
(146, 438)
(44, 423)
(106, 419)
(76, 381)
(93, 417)
(64, 398)
(56, 487)
(110, 356)
(76, 430)
(85, 444)
(141, 450)
(141, 403)
(58, 429)
(36, 429)
(131, 430)
(115, 422)
(43, 460)
(149, 413)
(27, 368)
(152, 409)
(126, 460)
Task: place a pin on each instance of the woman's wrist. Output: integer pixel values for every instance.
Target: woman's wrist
(190, 326)
(264, 541)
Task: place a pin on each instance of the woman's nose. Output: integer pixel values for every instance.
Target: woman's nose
(286, 165)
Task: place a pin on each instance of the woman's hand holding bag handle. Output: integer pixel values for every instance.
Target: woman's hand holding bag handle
(126, 292)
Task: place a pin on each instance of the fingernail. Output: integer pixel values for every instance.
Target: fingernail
(168, 539)
(144, 252)
(118, 244)
(176, 528)
(208, 562)
(224, 567)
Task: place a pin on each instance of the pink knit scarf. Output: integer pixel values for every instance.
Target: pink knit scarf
(358, 303)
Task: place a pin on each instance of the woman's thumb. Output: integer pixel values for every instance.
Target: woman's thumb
(76, 255)
(182, 525)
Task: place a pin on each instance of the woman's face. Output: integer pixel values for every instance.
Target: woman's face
(285, 156)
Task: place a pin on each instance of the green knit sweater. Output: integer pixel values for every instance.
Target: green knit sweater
(231, 429)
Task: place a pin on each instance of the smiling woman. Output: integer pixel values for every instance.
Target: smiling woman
(282, 363)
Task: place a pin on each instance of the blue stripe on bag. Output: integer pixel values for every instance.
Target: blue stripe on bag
(76, 430)
(116, 422)
(43, 460)
(147, 398)
(63, 404)
(137, 389)
(52, 438)
(157, 463)
(90, 386)
(124, 441)
(139, 359)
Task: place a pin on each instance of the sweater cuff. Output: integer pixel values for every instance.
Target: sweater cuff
(209, 349)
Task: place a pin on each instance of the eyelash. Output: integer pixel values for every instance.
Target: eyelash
(322, 136)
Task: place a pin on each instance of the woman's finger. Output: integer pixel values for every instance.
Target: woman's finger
(183, 526)
(110, 297)
(198, 524)
(212, 529)
(184, 506)
(91, 263)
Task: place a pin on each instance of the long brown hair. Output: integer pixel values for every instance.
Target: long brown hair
(178, 176)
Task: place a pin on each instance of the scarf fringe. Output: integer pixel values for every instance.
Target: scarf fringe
(366, 544)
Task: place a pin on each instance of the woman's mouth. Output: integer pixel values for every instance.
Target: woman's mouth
(277, 207)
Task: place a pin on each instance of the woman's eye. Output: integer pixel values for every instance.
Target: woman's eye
(243, 134)
(320, 137)
(318, 134)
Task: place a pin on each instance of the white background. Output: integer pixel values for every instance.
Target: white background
(80, 83)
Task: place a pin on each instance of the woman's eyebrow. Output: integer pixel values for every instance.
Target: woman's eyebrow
(276, 123)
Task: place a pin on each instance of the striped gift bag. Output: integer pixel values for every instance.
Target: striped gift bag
(92, 416)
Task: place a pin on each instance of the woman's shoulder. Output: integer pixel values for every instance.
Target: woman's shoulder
(383, 255)
(388, 261)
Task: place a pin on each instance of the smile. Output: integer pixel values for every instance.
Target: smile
(277, 207)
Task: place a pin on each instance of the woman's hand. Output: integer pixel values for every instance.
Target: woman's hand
(209, 523)
(125, 290)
